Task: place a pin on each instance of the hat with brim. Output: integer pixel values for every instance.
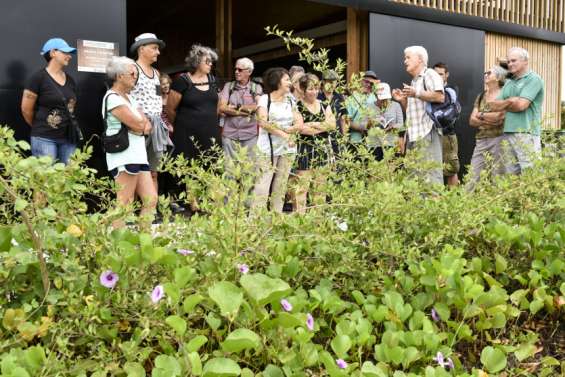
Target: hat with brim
(370, 75)
(145, 39)
(57, 44)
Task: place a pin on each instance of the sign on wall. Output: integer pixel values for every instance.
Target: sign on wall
(94, 55)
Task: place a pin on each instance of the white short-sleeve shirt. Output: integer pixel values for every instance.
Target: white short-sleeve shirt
(281, 114)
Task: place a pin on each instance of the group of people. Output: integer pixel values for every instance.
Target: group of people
(292, 126)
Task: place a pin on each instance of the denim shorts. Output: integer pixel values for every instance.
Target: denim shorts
(132, 169)
(58, 150)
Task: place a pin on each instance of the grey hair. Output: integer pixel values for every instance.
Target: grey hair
(418, 50)
(118, 65)
(247, 63)
(522, 52)
(196, 54)
(500, 74)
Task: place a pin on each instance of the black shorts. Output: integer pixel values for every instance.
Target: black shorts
(132, 169)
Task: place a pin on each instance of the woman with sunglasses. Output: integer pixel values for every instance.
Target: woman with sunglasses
(489, 125)
(49, 102)
(130, 167)
(192, 107)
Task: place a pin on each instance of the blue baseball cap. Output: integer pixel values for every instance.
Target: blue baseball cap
(57, 44)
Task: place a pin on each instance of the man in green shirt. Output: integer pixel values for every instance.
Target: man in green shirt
(522, 99)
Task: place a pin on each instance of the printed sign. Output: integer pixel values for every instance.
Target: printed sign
(93, 55)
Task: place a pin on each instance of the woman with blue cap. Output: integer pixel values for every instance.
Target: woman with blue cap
(49, 103)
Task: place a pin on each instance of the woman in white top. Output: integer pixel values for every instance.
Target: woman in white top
(278, 120)
(130, 167)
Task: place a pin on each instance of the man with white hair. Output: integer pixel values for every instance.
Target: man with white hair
(426, 87)
(238, 104)
(522, 99)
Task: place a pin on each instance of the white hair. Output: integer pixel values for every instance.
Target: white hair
(118, 65)
(522, 52)
(247, 63)
(418, 50)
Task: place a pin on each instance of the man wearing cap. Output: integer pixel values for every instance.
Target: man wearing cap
(49, 101)
(362, 108)
(147, 94)
(329, 96)
(389, 122)
(423, 136)
(522, 99)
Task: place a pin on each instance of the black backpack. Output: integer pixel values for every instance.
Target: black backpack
(444, 114)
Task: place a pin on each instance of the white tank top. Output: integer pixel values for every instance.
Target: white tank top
(145, 92)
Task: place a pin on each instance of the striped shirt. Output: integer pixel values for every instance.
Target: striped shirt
(418, 122)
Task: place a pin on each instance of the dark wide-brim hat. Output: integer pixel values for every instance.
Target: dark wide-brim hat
(145, 39)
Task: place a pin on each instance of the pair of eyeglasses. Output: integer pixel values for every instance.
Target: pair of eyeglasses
(208, 61)
(240, 69)
(487, 73)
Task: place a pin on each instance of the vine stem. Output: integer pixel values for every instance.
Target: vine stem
(37, 244)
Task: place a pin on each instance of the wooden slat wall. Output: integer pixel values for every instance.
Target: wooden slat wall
(544, 14)
(545, 59)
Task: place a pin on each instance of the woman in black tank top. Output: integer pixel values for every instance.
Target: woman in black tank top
(314, 144)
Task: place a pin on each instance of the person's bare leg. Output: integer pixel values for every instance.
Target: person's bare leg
(453, 180)
(148, 195)
(154, 176)
(126, 184)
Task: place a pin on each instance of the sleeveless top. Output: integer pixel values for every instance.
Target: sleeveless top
(147, 92)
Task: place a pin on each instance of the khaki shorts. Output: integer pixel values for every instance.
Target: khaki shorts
(450, 151)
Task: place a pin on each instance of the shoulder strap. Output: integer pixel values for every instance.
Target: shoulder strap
(55, 85)
(268, 133)
(231, 88)
(186, 78)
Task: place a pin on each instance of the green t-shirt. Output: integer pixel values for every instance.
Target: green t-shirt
(531, 87)
(360, 108)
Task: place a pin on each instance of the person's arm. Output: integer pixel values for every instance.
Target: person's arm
(512, 104)
(137, 124)
(433, 96)
(486, 120)
(270, 127)
(399, 97)
(173, 102)
(29, 99)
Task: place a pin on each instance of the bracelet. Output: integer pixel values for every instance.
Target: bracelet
(481, 116)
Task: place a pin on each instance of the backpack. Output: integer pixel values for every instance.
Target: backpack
(252, 88)
(445, 114)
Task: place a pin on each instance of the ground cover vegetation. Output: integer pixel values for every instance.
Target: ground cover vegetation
(388, 278)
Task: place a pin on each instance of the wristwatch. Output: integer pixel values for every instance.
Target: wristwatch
(481, 116)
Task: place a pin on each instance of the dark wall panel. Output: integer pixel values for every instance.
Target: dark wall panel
(27, 24)
(460, 48)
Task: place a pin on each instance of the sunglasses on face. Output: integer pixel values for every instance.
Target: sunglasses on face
(240, 69)
(487, 73)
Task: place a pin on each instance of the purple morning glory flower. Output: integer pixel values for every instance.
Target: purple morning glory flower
(310, 322)
(185, 252)
(243, 268)
(435, 316)
(440, 359)
(109, 279)
(157, 294)
(341, 363)
(287, 306)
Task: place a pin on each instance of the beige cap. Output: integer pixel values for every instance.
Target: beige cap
(383, 91)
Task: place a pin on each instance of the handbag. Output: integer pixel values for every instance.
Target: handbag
(118, 142)
(73, 132)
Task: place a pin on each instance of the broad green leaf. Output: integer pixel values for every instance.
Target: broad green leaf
(241, 339)
(500, 264)
(221, 367)
(20, 204)
(166, 366)
(246, 372)
(411, 354)
(134, 369)
(183, 276)
(443, 311)
(35, 358)
(536, 306)
(5, 238)
(493, 359)
(370, 370)
(191, 301)
(195, 343)
(273, 371)
(288, 320)
(177, 323)
(525, 351)
(263, 289)
(341, 345)
(227, 296)
(195, 364)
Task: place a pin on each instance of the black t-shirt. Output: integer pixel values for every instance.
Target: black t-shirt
(50, 118)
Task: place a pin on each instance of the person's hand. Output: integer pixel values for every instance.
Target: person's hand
(408, 91)
(397, 95)
(147, 127)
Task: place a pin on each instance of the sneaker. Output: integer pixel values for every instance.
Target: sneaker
(177, 208)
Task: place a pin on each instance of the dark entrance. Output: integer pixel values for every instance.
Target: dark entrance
(389, 36)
